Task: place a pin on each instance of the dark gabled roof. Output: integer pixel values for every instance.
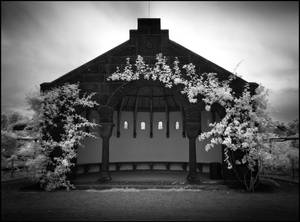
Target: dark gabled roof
(147, 41)
(84, 68)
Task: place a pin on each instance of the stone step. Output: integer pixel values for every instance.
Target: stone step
(151, 186)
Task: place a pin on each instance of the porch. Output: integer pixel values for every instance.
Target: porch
(149, 175)
(144, 179)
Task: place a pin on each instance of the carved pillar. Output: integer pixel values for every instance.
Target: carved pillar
(105, 130)
(192, 130)
(193, 127)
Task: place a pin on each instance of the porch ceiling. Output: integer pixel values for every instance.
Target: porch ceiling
(145, 98)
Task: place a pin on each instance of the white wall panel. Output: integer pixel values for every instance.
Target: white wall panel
(144, 148)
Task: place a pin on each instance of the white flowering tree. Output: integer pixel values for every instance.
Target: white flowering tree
(60, 129)
(243, 131)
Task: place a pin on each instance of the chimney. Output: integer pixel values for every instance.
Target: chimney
(149, 39)
(149, 25)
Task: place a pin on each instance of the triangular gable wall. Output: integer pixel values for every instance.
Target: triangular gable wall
(147, 41)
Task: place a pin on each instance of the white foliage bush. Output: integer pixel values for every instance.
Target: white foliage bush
(59, 128)
(282, 155)
(8, 143)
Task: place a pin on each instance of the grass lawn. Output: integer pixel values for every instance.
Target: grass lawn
(278, 204)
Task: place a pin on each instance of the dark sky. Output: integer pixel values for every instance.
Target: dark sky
(41, 41)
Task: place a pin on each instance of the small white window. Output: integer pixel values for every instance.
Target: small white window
(160, 125)
(125, 125)
(177, 125)
(143, 125)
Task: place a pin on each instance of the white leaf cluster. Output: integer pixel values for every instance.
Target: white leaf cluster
(60, 127)
(245, 124)
(194, 84)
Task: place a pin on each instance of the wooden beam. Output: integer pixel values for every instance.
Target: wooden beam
(182, 120)
(167, 116)
(168, 121)
(176, 104)
(155, 96)
(147, 109)
(118, 121)
(135, 113)
(151, 114)
(200, 128)
(119, 116)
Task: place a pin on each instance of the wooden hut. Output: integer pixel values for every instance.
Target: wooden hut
(145, 126)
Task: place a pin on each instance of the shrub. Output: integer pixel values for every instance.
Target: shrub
(8, 143)
(60, 129)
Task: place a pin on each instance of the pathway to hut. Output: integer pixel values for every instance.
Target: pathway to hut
(211, 202)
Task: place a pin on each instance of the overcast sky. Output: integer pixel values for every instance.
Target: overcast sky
(41, 41)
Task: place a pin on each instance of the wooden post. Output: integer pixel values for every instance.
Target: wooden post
(105, 130)
(193, 127)
(135, 116)
(192, 157)
(192, 133)
(118, 122)
(119, 116)
(105, 154)
(151, 114)
(168, 122)
(182, 121)
(167, 115)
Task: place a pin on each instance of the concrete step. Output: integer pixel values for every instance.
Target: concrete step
(151, 186)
